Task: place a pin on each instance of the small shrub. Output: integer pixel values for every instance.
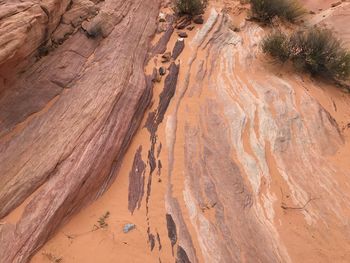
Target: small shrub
(189, 7)
(102, 220)
(320, 52)
(277, 46)
(266, 10)
(339, 67)
(52, 258)
(316, 50)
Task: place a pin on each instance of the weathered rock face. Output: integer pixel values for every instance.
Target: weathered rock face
(237, 159)
(27, 24)
(29, 31)
(77, 111)
(251, 139)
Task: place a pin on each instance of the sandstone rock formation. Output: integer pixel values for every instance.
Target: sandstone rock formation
(67, 120)
(236, 159)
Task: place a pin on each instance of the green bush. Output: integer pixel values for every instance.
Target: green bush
(316, 50)
(189, 7)
(277, 46)
(266, 10)
(320, 52)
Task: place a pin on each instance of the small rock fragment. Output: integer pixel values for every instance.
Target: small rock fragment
(166, 57)
(162, 27)
(162, 71)
(162, 17)
(336, 4)
(190, 28)
(128, 227)
(178, 48)
(100, 25)
(156, 77)
(182, 34)
(198, 20)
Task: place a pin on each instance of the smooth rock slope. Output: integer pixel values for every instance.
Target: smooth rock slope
(78, 109)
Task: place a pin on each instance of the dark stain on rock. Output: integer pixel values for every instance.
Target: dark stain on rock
(152, 123)
(151, 241)
(159, 243)
(178, 48)
(156, 117)
(181, 256)
(171, 226)
(161, 45)
(149, 184)
(153, 120)
(136, 181)
(159, 149)
(153, 165)
(152, 160)
(159, 167)
(168, 92)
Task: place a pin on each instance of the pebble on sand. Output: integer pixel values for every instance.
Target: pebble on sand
(128, 227)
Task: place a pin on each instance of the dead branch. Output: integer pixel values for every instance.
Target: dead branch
(285, 207)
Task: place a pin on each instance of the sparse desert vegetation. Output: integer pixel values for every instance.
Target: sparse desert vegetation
(320, 52)
(52, 258)
(266, 10)
(315, 50)
(102, 221)
(189, 7)
(276, 45)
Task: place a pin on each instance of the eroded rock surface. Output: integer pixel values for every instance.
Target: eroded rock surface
(71, 146)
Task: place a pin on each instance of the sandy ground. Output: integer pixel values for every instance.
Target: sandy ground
(79, 242)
